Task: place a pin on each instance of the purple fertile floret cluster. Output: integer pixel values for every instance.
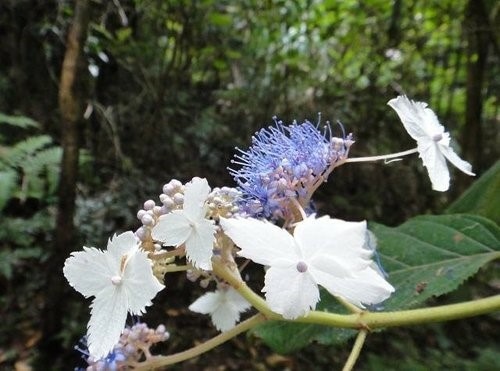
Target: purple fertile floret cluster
(285, 162)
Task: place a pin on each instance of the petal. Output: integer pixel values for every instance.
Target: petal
(338, 266)
(199, 245)
(418, 120)
(435, 164)
(107, 321)
(206, 303)
(460, 164)
(88, 271)
(365, 286)
(225, 317)
(122, 244)
(290, 292)
(195, 195)
(342, 241)
(224, 306)
(139, 283)
(172, 229)
(260, 241)
(238, 302)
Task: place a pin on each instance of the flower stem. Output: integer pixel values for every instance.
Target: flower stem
(222, 271)
(363, 319)
(321, 179)
(350, 307)
(356, 350)
(374, 320)
(382, 157)
(161, 361)
(177, 268)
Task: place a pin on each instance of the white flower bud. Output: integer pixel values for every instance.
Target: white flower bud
(178, 198)
(140, 214)
(147, 219)
(168, 202)
(149, 204)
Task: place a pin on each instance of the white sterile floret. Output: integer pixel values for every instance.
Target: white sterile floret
(223, 305)
(432, 141)
(189, 226)
(121, 280)
(327, 252)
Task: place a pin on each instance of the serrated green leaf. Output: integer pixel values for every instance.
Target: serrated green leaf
(432, 255)
(482, 197)
(426, 256)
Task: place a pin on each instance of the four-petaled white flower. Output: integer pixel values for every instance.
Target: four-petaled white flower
(223, 305)
(432, 141)
(121, 280)
(327, 252)
(189, 226)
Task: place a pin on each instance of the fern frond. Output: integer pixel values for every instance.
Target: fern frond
(18, 153)
(22, 122)
(42, 167)
(8, 184)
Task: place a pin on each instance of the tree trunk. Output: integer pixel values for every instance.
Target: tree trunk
(476, 28)
(71, 110)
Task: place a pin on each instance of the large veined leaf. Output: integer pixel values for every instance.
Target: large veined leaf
(483, 197)
(432, 255)
(426, 256)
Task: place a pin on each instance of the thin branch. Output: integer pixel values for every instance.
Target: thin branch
(161, 361)
(356, 350)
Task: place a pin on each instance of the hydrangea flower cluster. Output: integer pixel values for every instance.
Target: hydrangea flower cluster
(267, 220)
(285, 163)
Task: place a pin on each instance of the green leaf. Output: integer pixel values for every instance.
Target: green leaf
(18, 121)
(123, 34)
(426, 256)
(8, 183)
(10, 258)
(482, 197)
(16, 155)
(432, 255)
(286, 337)
(220, 19)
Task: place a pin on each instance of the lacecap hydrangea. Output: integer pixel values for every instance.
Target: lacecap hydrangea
(286, 162)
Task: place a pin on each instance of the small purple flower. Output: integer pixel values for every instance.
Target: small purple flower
(112, 362)
(284, 163)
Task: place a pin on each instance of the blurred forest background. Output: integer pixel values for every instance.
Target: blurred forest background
(132, 93)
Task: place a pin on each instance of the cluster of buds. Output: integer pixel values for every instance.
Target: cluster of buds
(133, 347)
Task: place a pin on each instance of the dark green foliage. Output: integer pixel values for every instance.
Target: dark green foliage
(29, 173)
(432, 255)
(483, 197)
(29, 168)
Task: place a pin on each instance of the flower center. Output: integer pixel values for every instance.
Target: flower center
(301, 267)
(116, 280)
(437, 137)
